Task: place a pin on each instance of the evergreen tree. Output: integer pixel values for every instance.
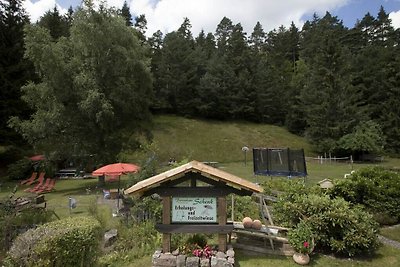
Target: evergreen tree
(57, 25)
(178, 71)
(126, 14)
(329, 98)
(15, 71)
(141, 27)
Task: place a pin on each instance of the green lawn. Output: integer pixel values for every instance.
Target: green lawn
(385, 256)
(76, 188)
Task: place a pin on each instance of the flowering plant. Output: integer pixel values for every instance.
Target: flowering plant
(301, 238)
(206, 252)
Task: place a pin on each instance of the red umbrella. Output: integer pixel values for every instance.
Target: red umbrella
(116, 169)
(37, 158)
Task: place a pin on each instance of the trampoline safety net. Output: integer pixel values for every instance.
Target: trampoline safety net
(279, 162)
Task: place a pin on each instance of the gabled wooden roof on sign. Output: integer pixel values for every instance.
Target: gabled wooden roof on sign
(197, 167)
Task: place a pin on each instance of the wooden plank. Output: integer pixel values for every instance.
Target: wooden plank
(261, 234)
(193, 191)
(262, 250)
(194, 228)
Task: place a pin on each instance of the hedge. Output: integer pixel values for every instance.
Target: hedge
(69, 242)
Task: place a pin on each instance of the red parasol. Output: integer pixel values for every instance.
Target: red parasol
(116, 169)
(37, 158)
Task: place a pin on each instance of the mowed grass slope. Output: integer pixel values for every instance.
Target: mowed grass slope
(206, 140)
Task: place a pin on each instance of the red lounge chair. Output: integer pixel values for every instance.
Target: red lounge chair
(48, 188)
(39, 184)
(30, 179)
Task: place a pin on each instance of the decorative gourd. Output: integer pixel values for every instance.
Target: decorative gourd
(256, 224)
(247, 222)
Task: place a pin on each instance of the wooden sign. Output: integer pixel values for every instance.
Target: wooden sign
(194, 210)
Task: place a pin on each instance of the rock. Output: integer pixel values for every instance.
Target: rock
(181, 261)
(165, 260)
(205, 263)
(247, 222)
(157, 254)
(221, 255)
(175, 252)
(192, 262)
(256, 224)
(213, 261)
(110, 237)
(230, 253)
(221, 263)
(231, 260)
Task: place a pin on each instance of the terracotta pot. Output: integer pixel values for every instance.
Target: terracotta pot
(300, 258)
(247, 222)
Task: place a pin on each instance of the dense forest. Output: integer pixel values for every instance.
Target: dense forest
(337, 86)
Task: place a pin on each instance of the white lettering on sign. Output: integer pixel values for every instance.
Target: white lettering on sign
(194, 209)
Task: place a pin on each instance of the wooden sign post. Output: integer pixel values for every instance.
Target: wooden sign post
(194, 200)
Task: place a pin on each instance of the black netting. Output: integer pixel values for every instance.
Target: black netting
(279, 162)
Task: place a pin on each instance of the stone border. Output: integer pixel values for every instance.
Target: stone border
(219, 259)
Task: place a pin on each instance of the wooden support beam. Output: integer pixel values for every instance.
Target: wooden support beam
(222, 221)
(166, 220)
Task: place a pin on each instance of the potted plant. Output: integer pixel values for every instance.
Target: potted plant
(301, 238)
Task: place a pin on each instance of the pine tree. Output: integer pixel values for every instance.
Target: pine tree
(125, 12)
(329, 98)
(15, 71)
(57, 25)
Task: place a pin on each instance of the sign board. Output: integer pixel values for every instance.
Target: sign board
(194, 210)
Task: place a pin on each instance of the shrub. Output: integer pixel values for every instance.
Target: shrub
(133, 242)
(243, 207)
(375, 188)
(19, 169)
(14, 221)
(69, 242)
(338, 226)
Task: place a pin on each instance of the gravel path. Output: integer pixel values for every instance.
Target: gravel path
(389, 242)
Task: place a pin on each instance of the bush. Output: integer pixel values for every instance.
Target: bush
(375, 188)
(69, 242)
(14, 222)
(21, 169)
(338, 226)
(133, 242)
(243, 207)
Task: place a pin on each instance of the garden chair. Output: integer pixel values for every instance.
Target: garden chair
(30, 179)
(48, 188)
(39, 184)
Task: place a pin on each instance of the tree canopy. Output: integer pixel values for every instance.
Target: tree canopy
(95, 87)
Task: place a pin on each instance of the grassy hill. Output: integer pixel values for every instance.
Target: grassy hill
(205, 140)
